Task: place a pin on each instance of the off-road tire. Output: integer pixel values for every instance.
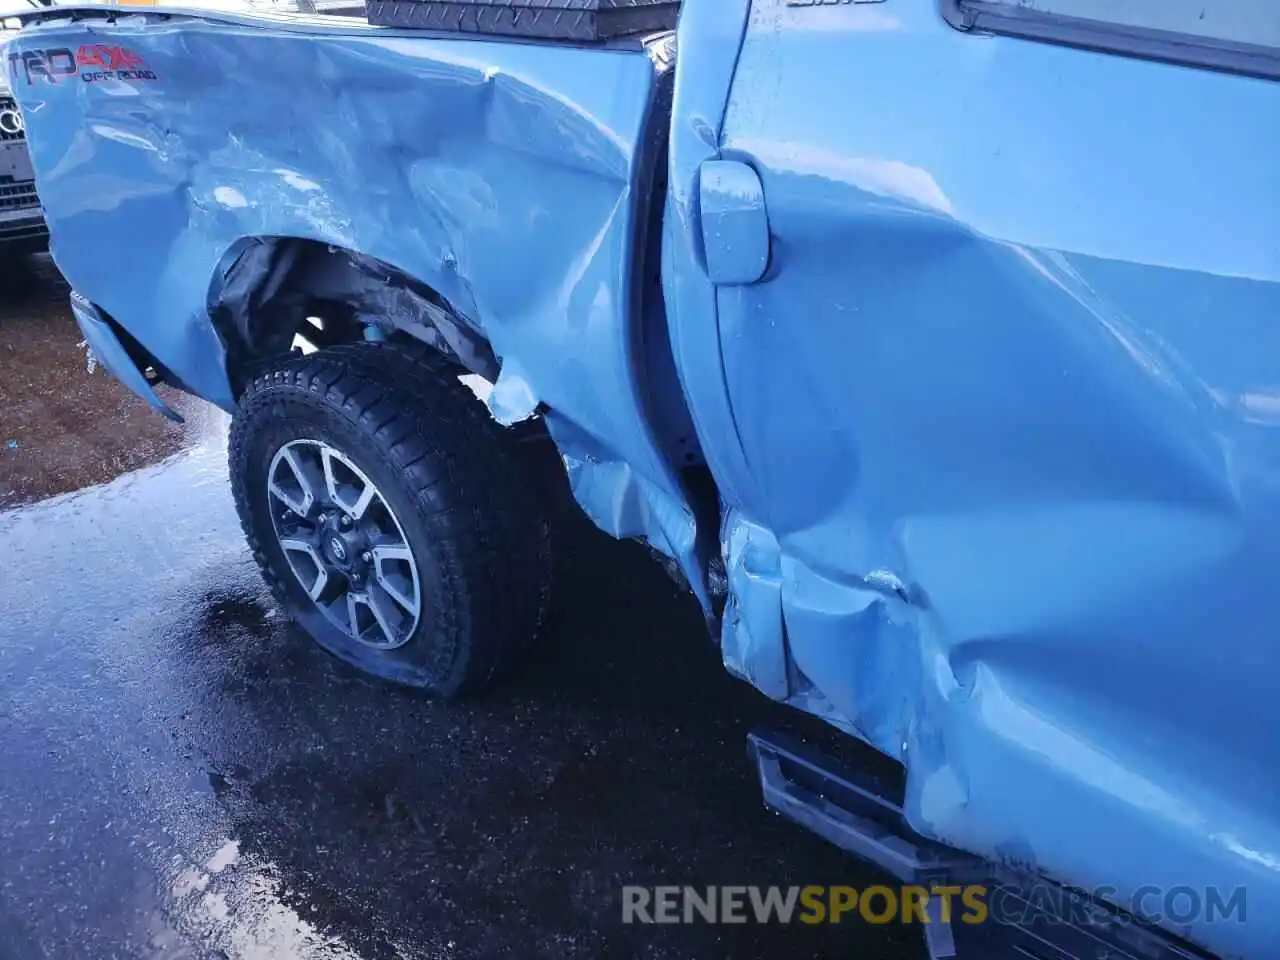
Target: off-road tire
(479, 537)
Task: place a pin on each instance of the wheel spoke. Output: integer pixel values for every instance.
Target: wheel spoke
(300, 496)
(385, 613)
(353, 493)
(382, 617)
(353, 615)
(405, 594)
(300, 506)
(376, 598)
(321, 577)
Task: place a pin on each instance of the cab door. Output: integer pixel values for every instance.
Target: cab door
(995, 295)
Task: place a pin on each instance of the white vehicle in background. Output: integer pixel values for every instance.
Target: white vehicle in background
(22, 227)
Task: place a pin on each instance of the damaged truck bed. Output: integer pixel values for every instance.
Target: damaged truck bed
(937, 345)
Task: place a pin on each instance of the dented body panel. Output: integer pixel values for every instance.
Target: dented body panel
(439, 158)
(993, 417)
(1005, 456)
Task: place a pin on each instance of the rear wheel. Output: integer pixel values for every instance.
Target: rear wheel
(389, 520)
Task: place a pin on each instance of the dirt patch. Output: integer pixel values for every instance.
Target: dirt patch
(61, 428)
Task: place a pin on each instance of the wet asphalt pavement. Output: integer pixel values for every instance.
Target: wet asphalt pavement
(182, 775)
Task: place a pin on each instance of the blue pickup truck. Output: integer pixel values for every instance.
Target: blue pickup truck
(936, 343)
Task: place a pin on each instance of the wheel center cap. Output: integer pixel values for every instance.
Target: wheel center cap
(338, 549)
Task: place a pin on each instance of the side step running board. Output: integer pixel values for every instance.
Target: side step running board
(1030, 917)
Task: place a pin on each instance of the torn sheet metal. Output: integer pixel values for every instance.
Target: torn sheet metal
(625, 504)
(751, 638)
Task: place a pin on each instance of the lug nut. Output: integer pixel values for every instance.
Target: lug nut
(346, 521)
(367, 557)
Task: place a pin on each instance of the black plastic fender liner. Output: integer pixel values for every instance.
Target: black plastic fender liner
(584, 21)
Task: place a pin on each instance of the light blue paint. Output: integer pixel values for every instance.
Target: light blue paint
(105, 347)
(735, 222)
(1018, 348)
(996, 435)
(437, 157)
(752, 637)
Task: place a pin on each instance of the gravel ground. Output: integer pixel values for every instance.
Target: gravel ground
(62, 429)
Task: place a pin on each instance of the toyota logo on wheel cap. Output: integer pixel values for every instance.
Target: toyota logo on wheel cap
(11, 122)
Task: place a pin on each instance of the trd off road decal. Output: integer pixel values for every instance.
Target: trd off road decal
(92, 63)
(99, 62)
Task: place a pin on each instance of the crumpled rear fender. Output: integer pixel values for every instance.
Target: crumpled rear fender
(510, 179)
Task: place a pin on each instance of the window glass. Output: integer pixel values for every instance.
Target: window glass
(1237, 21)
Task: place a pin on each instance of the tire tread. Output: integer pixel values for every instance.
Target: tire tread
(487, 527)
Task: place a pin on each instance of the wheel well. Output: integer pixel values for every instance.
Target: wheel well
(273, 290)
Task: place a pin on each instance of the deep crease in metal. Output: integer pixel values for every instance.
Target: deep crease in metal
(433, 158)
